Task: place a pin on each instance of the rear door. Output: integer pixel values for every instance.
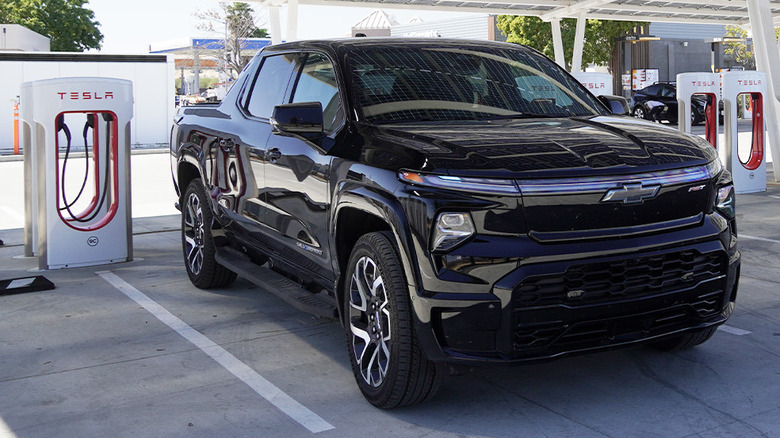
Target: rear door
(297, 171)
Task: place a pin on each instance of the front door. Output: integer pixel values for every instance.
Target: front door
(297, 171)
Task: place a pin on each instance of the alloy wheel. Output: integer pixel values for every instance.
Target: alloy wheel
(193, 234)
(369, 321)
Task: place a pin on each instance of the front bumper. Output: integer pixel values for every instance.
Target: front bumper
(557, 306)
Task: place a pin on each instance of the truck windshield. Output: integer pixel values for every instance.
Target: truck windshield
(449, 83)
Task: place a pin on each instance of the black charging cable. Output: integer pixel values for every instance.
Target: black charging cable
(108, 118)
(61, 126)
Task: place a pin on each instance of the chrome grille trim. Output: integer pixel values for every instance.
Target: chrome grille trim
(586, 185)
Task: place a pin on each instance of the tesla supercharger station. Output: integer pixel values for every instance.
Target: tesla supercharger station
(596, 83)
(749, 175)
(701, 84)
(76, 136)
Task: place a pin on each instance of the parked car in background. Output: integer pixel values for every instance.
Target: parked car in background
(665, 93)
(192, 99)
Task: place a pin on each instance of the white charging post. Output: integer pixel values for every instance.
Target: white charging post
(597, 83)
(76, 137)
(750, 175)
(702, 84)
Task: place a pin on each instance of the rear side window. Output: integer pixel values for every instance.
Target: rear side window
(652, 90)
(270, 85)
(317, 83)
(668, 92)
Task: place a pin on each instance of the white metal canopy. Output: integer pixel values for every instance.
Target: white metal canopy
(760, 16)
(688, 11)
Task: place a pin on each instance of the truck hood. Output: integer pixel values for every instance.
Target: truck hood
(540, 147)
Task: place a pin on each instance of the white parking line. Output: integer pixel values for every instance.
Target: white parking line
(263, 387)
(5, 431)
(763, 239)
(733, 330)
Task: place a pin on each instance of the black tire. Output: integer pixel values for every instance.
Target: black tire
(685, 341)
(389, 366)
(198, 243)
(640, 113)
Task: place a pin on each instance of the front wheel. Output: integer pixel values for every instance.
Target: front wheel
(197, 241)
(389, 366)
(639, 113)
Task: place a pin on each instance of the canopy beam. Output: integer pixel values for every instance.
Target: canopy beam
(579, 44)
(560, 57)
(275, 24)
(292, 20)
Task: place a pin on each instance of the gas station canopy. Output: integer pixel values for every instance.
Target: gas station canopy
(689, 11)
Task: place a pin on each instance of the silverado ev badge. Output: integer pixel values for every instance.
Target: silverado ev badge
(631, 193)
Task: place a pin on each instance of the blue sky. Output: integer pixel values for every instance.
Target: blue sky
(129, 27)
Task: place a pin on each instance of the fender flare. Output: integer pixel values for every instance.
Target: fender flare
(385, 207)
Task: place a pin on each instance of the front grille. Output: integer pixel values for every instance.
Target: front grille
(566, 336)
(601, 282)
(615, 301)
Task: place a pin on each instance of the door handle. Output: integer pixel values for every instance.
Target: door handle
(273, 155)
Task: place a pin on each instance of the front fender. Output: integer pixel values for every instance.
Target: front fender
(385, 207)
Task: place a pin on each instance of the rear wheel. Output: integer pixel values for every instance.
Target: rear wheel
(197, 241)
(389, 366)
(685, 340)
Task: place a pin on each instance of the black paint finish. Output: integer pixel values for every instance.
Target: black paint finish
(545, 275)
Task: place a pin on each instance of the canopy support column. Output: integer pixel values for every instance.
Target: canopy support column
(579, 44)
(560, 57)
(275, 24)
(768, 61)
(292, 20)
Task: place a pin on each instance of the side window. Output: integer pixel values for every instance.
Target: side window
(270, 85)
(317, 83)
(668, 92)
(652, 90)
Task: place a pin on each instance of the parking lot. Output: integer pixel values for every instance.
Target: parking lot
(134, 350)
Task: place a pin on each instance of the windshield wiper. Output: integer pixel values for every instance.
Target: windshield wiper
(523, 116)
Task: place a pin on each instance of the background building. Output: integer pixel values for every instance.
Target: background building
(478, 27)
(152, 77)
(17, 38)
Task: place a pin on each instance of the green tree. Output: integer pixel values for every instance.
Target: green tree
(739, 51)
(234, 22)
(600, 36)
(70, 25)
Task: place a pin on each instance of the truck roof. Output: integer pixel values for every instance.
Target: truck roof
(340, 44)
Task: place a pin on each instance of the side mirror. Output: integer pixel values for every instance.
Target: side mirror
(617, 104)
(302, 119)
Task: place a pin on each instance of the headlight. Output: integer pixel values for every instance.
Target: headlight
(726, 202)
(714, 167)
(484, 185)
(450, 230)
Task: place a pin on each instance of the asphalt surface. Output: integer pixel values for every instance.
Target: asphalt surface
(134, 350)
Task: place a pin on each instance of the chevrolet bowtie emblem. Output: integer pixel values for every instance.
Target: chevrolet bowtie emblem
(631, 193)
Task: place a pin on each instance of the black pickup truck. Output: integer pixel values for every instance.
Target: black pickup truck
(453, 202)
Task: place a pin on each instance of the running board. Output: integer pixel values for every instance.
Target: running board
(279, 285)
